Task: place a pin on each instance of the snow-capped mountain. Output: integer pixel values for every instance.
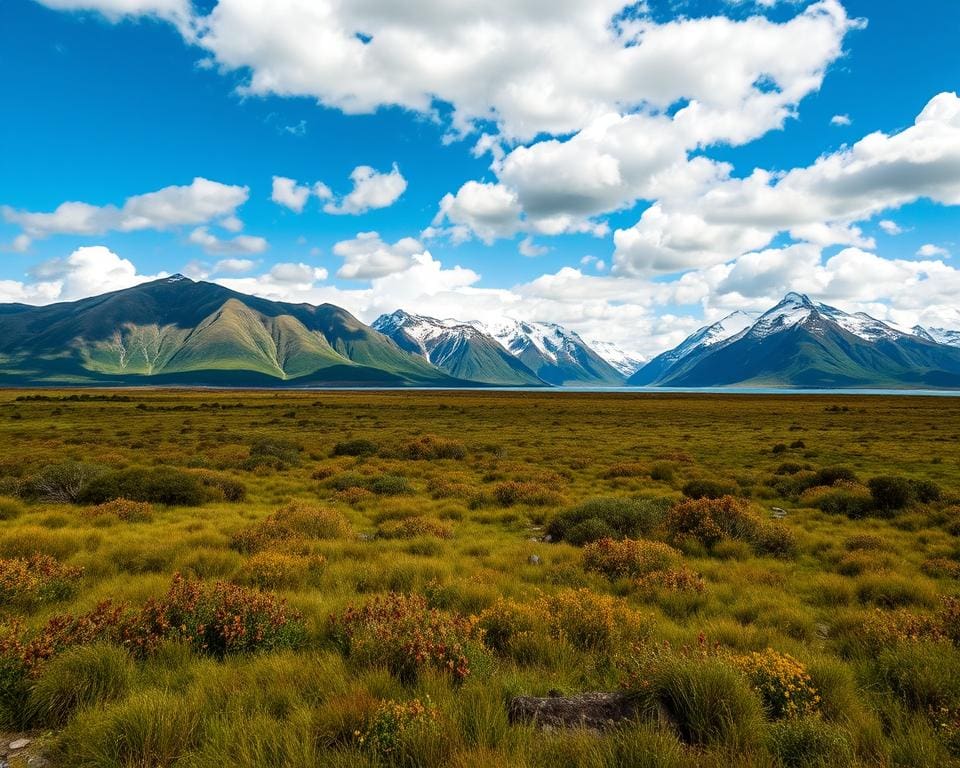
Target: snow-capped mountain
(457, 348)
(628, 363)
(697, 343)
(507, 352)
(801, 342)
(555, 354)
(938, 335)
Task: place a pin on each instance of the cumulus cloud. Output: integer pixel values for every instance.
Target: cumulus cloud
(367, 256)
(180, 12)
(530, 249)
(85, 272)
(841, 120)
(371, 189)
(890, 227)
(214, 245)
(233, 266)
(287, 192)
(930, 250)
(195, 203)
(723, 216)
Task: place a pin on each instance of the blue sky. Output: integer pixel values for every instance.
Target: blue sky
(629, 206)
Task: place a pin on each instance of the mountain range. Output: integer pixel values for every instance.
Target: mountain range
(176, 331)
(803, 343)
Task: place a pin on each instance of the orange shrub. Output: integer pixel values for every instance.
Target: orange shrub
(710, 520)
(782, 682)
(672, 579)
(433, 447)
(124, 509)
(403, 634)
(279, 570)
(296, 520)
(626, 469)
(37, 579)
(217, 619)
(535, 494)
(628, 558)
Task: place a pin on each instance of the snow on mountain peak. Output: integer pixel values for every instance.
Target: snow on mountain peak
(946, 336)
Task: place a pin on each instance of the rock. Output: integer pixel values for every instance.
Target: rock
(19, 743)
(592, 711)
(778, 512)
(534, 559)
(548, 538)
(533, 540)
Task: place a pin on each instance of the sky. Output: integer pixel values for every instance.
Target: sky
(632, 172)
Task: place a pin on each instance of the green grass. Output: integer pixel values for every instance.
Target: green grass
(331, 499)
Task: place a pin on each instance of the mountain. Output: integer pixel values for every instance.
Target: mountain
(693, 347)
(626, 363)
(177, 331)
(803, 343)
(553, 353)
(938, 335)
(458, 348)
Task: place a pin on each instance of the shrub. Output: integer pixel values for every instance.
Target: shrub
(708, 521)
(273, 452)
(709, 489)
(589, 621)
(358, 447)
(782, 683)
(26, 582)
(278, 570)
(925, 491)
(628, 558)
(219, 486)
(79, 677)
(614, 518)
(432, 447)
(854, 501)
(403, 634)
(296, 520)
(774, 539)
(396, 724)
(62, 483)
(412, 527)
(508, 622)
(892, 591)
(124, 509)
(809, 742)
(834, 475)
(216, 619)
(663, 471)
(889, 493)
(158, 485)
(389, 485)
(789, 468)
(535, 494)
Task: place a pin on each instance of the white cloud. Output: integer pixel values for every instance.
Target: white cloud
(930, 250)
(530, 249)
(21, 243)
(841, 120)
(196, 203)
(87, 271)
(488, 210)
(890, 227)
(233, 266)
(179, 12)
(214, 245)
(371, 189)
(367, 256)
(289, 193)
(231, 224)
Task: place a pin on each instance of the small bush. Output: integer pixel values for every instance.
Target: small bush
(663, 472)
(123, 509)
(589, 621)
(413, 527)
(216, 619)
(62, 483)
(892, 591)
(296, 520)
(809, 742)
(782, 682)
(389, 485)
(273, 452)
(26, 582)
(532, 493)
(708, 521)
(358, 447)
(431, 447)
(221, 487)
(158, 485)
(614, 518)
(628, 558)
(890, 494)
(403, 634)
(625, 469)
(680, 580)
(507, 623)
(79, 677)
(854, 501)
(925, 491)
(397, 726)
(10, 509)
(709, 489)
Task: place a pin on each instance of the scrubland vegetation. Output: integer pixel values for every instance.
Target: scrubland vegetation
(366, 579)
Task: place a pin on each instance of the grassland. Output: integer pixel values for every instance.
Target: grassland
(362, 578)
